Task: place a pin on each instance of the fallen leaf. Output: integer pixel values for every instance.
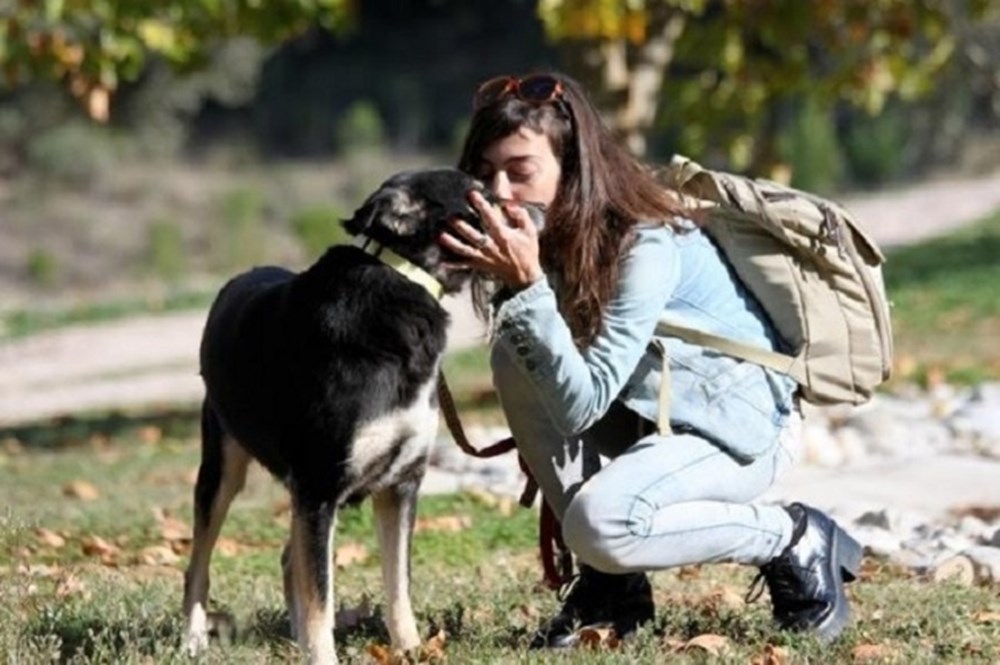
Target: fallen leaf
(873, 653)
(350, 554)
(986, 617)
(379, 654)
(228, 547)
(81, 489)
(712, 644)
(71, 585)
(158, 555)
(688, 572)
(446, 523)
(97, 546)
(673, 644)
(598, 637)
(150, 434)
(433, 649)
(728, 597)
(171, 528)
(49, 538)
(772, 656)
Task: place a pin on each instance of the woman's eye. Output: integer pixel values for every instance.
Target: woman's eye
(521, 175)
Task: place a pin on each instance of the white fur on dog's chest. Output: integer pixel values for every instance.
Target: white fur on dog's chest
(412, 429)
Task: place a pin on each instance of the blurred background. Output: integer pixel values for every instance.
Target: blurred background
(149, 151)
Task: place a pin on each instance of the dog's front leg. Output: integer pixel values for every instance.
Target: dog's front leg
(312, 580)
(395, 512)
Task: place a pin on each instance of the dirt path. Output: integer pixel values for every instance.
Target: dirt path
(151, 360)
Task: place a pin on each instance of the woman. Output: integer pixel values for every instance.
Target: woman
(577, 366)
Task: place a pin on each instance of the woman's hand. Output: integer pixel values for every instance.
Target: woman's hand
(507, 248)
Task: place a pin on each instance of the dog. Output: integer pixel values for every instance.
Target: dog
(328, 379)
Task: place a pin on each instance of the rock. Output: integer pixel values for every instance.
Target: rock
(985, 562)
(958, 568)
(877, 541)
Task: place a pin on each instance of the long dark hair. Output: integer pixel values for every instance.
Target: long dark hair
(603, 193)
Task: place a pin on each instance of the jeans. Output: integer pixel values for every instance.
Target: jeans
(661, 501)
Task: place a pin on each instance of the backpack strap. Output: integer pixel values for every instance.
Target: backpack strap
(779, 362)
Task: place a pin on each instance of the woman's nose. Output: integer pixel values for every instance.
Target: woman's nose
(500, 185)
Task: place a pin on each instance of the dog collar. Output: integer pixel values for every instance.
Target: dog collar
(403, 266)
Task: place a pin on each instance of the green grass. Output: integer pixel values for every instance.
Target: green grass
(478, 584)
(946, 304)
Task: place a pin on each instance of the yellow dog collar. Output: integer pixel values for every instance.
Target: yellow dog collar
(403, 266)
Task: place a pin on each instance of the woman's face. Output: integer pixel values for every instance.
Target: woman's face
(521, 167)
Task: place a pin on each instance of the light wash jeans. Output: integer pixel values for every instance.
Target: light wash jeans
(661, 501)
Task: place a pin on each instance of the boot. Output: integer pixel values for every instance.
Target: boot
(593, 598)
(806, 581)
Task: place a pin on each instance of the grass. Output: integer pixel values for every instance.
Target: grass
(475, 573)
(946, 304)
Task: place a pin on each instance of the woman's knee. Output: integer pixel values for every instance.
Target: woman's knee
(597, 529)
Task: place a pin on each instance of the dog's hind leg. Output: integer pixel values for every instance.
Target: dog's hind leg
(220, 477)
(311, 611)
(395, 513)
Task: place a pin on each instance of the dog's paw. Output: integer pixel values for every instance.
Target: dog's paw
(203, 626)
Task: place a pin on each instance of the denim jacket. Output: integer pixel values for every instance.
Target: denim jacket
(682, 276)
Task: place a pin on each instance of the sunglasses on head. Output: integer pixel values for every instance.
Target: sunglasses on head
(537, 88)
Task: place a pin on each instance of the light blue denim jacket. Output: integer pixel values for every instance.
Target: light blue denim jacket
(740, 406)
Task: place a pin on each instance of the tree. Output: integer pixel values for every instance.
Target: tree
(91, 45)
(724, 68)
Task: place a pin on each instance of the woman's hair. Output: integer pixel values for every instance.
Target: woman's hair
(603, 193)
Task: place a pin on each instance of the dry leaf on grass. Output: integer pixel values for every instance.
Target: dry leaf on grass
(82, 490)
(599, 638)
(772, 656)
(171, 528)
(71, 585)
(986, 617)
(712, 644)
(228, 547)
(97, 546)
(158, 555)
(445, 523)
(874, 653)
(433, 649)
(150, 434)
(350, 554)
(49, 538)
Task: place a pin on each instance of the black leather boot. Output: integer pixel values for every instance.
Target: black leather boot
(593, 598)
(806, 581)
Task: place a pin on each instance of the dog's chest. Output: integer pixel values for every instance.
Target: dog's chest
(394, 446)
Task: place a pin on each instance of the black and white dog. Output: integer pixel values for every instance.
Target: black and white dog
(328, 378)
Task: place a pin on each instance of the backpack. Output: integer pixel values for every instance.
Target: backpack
(813, 269)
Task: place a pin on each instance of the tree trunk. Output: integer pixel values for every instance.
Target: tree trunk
(626, 80)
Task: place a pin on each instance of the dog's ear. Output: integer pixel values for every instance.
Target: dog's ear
(390, 209)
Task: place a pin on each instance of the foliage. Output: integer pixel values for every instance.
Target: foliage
(76, 153)
(92, 45)
(811, 148)
(43, 268)
(731, 63)
(360, 128)
(166, 250)
(875, 146)
(238, 233)
(317, 228)
(946, 314)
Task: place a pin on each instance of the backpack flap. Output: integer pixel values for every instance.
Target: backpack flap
(816, 274)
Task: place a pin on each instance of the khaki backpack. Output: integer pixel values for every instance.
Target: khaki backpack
(813, 269)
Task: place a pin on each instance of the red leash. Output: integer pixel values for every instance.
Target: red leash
(557, 560)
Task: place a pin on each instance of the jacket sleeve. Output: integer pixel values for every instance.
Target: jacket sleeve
(577, 387)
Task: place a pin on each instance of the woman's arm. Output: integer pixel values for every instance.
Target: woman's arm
(576, 388)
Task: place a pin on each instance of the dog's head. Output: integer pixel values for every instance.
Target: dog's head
(411, 209)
